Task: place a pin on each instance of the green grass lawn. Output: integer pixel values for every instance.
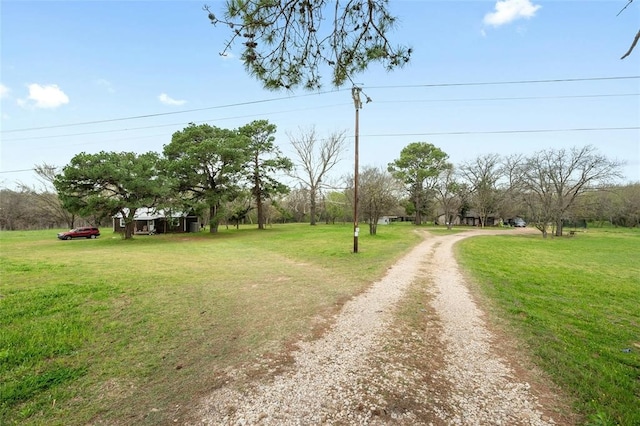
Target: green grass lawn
(118, 331)
(576, 303)
(134, 332)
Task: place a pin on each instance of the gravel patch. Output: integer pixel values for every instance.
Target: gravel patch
(347, 377)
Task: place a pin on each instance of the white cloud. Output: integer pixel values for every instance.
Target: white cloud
(507, 11)
(44, 96)
(167, 100)
(4, 91)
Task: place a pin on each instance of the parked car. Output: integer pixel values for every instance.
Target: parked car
(86, 232)
(519, 223)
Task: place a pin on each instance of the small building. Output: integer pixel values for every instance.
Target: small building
(150, 221)
(471, 218)
(385, 220)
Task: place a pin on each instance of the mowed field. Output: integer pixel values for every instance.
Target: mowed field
(133, 332)
(575, 304)
(109, 331)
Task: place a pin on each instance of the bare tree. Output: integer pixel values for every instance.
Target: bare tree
(378, 193)
(553, 179)
(512, 204)
(316, 158)
(482, 175)
(447, 191)
(46, 197)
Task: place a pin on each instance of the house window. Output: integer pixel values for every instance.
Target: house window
(174, 222)
(122, 224)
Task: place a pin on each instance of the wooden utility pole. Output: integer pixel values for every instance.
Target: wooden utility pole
(355, 93)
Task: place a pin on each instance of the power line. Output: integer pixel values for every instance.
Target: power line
(495, 83)
(329, 106)
(497, 132)
(167, 125)
(486, 83)
(488, 132)
(16, 171)
(137, 117)
(519, 98)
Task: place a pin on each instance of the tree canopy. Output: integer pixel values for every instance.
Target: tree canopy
(379, 194)
(482, 176)
(207, 163)
(551, 181)
(111, 182)
(285, 44)
(450, 195)
(265, 161)
(418, 167)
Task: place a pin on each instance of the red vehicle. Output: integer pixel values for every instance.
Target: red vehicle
(86, 232)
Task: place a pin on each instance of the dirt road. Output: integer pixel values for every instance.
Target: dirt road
(448, 368)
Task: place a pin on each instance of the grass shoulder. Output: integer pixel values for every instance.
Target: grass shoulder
(574, 300)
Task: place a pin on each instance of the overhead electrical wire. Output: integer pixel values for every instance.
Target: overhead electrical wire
(496, 83)
(487, 83)
(326, 106)
(169, 125)
(498, 132)
(159, 114)
(488, 132)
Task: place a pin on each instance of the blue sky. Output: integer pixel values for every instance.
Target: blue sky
(70, 62)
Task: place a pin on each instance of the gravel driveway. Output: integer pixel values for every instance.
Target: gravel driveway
(370, 369)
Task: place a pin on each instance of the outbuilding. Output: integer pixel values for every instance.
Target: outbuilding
(150, 221)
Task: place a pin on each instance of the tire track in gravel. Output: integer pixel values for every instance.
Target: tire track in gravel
(484, 387)
(325, 385)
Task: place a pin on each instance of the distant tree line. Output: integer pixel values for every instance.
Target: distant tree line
(236, 176)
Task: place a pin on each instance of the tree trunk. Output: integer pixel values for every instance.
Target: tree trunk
(213, 219)
(559, 228)
(128, 230)
(418, 214)
(72, 221)
(130, 223)
(259, 207)
(312, 208)
(449, 219)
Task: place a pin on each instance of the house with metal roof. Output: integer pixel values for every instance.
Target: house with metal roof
(149, 221)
